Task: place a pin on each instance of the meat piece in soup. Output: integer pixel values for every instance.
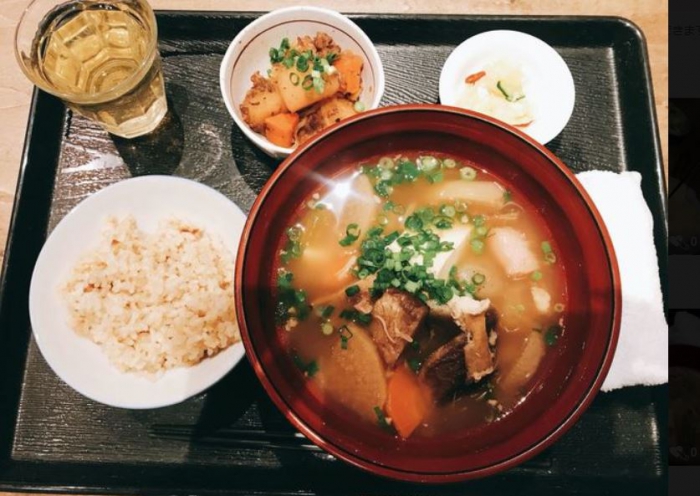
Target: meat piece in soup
(421, 293)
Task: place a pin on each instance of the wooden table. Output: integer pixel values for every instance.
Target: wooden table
(15, 90)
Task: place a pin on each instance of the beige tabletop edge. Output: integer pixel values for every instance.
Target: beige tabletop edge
(15, 91)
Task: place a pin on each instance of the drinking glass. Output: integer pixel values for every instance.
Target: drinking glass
(100, 57)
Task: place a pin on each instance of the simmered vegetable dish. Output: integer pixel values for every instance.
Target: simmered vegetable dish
(312, 84)
(421, 293)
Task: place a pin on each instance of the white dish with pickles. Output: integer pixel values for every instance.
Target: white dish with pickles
(514, 77)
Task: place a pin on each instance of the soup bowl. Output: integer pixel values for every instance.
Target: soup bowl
(566, 381)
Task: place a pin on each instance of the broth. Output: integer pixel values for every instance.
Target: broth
(421, 293)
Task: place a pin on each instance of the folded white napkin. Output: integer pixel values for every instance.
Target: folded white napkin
(642, 350)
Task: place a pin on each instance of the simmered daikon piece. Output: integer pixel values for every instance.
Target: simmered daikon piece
(297, 88)
(487, 194)
(512, 249)
(525, 366)
(263, 100)
(354, 375)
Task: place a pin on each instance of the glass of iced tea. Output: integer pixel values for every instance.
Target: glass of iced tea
(100, 57)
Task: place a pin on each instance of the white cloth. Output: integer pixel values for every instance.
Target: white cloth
(642, 350)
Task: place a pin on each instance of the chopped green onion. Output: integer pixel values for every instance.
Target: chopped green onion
(274, 55)
(550, 257)
(559, 307)
(427, 163)
(352, 290)
(294, 233)
(536, 276)
(352, 233)
(309, 369)
(448, 210)
(364, 318)
(345, 336)
(478, 279)
(412, 286)
(381, 418)
(359, 106)
(303, 65)
(414, 364)
(508, 97)
(399, 210)
(413, 222)
(467, 173)
(546, 247)
(327, 328)
(319, 84)
(479, 220)
(388, 206)
(481, 231)
(460, 206)
(551, 336)
(383, 220)
(449, 163)
(507, 196)
(464, 219)
(385, 163)
(443, 222)
(284, 45)
(327, 311)
(308, 82)
(435, 177)
(363, 273)
(477, 246)
(294, 78)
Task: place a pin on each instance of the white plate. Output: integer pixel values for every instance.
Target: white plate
(79, 362)
(549, 85)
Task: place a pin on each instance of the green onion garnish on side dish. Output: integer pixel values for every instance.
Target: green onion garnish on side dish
(559, 307)
(536, 276)
(352, 290)
(478, 279)
(294, 78)
(359, 106)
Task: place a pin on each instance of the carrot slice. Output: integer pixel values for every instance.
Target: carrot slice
(406, 403)
(473, 78)
(280, 128)
(349, 66)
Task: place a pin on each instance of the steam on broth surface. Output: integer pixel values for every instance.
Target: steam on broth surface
(421, 293)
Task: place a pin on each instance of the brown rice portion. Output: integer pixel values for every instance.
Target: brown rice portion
(154, 301)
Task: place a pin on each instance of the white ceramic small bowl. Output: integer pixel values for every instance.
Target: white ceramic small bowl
(79, 362)
(549, 85)
(250, 52)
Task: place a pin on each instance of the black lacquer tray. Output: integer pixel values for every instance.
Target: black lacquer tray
(53, 439)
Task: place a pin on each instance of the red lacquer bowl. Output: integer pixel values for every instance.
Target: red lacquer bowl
(568, 379)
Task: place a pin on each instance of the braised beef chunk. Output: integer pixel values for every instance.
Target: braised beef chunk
(445, 369)
(397, 317)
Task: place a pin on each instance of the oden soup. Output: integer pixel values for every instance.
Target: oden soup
(421, 293)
